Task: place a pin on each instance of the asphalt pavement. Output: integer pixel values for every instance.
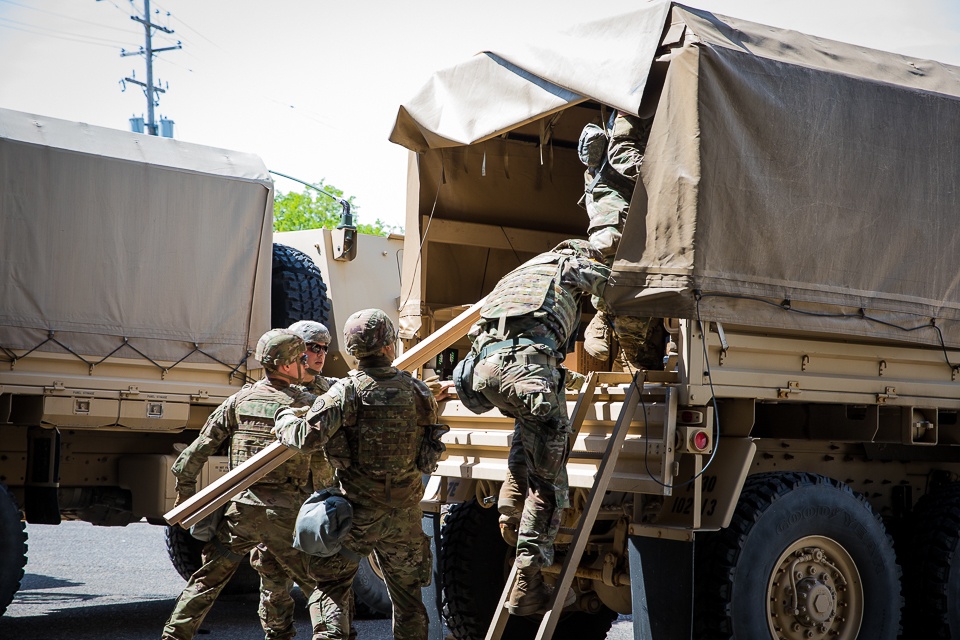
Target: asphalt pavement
(116, 583)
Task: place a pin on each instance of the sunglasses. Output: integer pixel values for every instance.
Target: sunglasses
(317, 348)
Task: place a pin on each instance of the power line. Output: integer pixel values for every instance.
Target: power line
(49, 33)
(64, 16)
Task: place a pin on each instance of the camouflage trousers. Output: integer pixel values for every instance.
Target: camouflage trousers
(244, 526)
(643, 341)
(276, 604)
(526, 385)
(401, 549)
(607, 210)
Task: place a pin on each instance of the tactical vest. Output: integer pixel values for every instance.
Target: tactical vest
(534, 285)
(254, 412)
(386, 438)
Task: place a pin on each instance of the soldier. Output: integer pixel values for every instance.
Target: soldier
(276, 603)
(527, 326)
(387, 416)
(613, 165)
(266, 512)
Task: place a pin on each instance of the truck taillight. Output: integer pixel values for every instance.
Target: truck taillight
(701, 440)
(694, 440)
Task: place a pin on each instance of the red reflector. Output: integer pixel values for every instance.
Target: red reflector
(700, 440)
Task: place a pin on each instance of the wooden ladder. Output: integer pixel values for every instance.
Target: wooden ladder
(608, 463)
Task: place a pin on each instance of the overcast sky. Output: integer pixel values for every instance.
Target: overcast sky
(313, 87)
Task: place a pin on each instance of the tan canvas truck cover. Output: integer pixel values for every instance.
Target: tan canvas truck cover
(179, 236)
(783, 170)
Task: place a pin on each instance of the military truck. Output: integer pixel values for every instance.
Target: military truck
(138, 274)
(793, 471)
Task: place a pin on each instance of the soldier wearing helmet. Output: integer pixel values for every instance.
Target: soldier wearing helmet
(266, 512)
(317, 338)
(388, 417)
(613, 156)
(527, 326)
(276, 603)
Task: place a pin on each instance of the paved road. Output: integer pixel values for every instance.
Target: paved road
(116, 583)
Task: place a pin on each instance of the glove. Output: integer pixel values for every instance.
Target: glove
(287, 426)
(432, 448)
(574, 380)
(434, 383)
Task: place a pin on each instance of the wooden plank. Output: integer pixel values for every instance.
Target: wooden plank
(216, 494)
(440, 339)
(493, 236)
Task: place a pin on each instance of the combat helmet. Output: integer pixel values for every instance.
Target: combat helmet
(367, 331)
(581, 248)
(311, 331)
(279, 347)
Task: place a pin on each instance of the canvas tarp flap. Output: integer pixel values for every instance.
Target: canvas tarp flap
(798, 183)
(107, 236)
(605, 60)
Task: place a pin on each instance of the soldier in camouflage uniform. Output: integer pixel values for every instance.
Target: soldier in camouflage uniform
(387, 416)
(527, 326)
(276, 603)
(613, 162)
(266, 512)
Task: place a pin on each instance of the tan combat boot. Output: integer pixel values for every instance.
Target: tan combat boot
(528, 595)
(531, 596)
(596, 337)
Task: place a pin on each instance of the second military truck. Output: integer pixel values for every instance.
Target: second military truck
(794, 472)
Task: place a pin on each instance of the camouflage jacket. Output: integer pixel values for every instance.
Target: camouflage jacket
(321, 471)
(578, 276)
(222, 426)
(339, 410)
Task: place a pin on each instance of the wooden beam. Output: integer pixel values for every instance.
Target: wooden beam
(218, 493)
(493, 236)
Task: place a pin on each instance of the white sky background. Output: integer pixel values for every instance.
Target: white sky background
(313, 86)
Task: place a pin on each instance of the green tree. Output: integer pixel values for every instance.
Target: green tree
(311, 209)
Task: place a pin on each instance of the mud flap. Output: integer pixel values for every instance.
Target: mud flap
(663, 608)
(40, 502)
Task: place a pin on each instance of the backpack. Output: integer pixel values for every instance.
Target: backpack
(463, 380)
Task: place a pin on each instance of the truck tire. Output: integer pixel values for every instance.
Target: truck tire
(370, 592)
(297, 289)
(13, 547)
(806, 534)
(184, 551)
(474, 563)
(932, 566)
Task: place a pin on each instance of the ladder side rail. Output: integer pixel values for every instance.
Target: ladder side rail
(602, 480)
(501, 615)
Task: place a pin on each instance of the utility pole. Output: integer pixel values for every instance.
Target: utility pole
(149, 89)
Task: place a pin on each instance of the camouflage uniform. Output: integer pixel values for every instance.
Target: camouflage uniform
(276, 603)
(265, 513)
(384, 414)
(609, 182)
(537, 307)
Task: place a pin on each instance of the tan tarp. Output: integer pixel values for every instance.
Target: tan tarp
(791, 181)
(107, 235)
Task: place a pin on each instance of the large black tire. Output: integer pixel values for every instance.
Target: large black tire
(297, 289)
(803, 557)
(932, 566)
(184, 551)
(474, 562)
(13, 547)
(370, 592)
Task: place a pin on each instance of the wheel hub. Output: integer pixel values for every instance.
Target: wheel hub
(815, 593)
